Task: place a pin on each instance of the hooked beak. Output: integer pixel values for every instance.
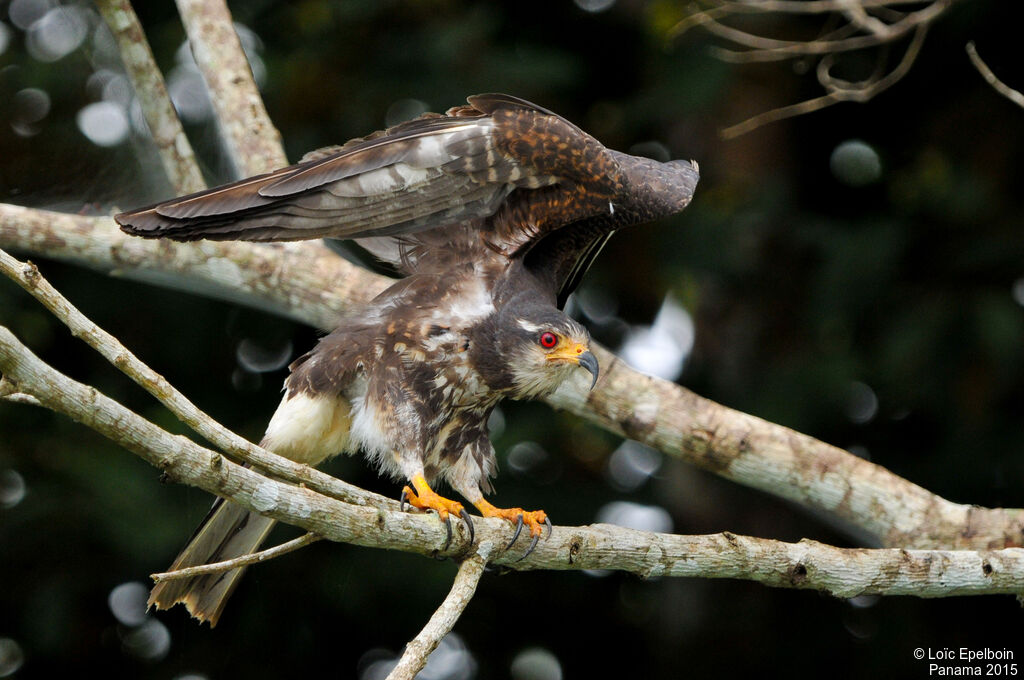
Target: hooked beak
(577, 354)
(588, 361)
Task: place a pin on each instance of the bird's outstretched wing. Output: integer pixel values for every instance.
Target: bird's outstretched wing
(513, 171)
(428, 172)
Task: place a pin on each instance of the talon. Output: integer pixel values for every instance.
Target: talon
(404, 498)
(519, 528)
(448, 527)
(469, 523)
(424, 498)
(533, 544)
(535, 520)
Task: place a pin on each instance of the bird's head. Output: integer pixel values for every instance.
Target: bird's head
(541, 347)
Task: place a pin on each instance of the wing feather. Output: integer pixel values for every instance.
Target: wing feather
(416, 176)
(502, 176)
(563, 257)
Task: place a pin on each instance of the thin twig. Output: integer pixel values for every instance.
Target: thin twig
(865, 24)
(807, 6)
(858, 16)
(990, 77)
(763, 48)
(418, 650)
(176, 153)
(837, 92)
(243, 561)
(28, 277)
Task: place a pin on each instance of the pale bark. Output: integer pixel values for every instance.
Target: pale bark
(806, 565)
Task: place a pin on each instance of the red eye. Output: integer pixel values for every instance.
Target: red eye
(548, 340)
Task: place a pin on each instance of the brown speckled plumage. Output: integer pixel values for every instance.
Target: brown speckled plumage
(492, 212)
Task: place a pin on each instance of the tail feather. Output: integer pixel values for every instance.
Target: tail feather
(229, 531)
(307, 428)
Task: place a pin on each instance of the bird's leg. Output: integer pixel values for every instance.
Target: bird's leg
(536, 520)
(469, 486)
(421, 496)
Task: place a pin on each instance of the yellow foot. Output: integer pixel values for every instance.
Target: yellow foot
(424, 498)
(536, 520)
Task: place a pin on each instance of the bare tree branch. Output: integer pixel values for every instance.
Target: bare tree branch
(805, 565)
(416, 653)
(838, 90)
(991, 78)
(862, 25)
(260, 276)
(775, 459)
(175, 151)
(307, 282)
(734, 445)
(27, 276)
(243, 561)
(253, 142)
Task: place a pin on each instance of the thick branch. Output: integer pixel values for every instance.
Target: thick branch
(785, 463)
(182, 460)
(253, 142)
(668, 417)
(176, 153)
(807, 565)
(304, 280)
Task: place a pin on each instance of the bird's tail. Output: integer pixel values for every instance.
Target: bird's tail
(229, 531)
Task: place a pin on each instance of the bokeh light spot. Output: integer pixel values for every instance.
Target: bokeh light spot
(632, 464)
(855, 163)
(11, 657)
(258, 356)
(127, 603)
(149, 642)
(57, 33)
(12, 488)
(861, 403)
(636, 516)
(104, 123)
(661, 349)
(1018, 291)
(536, 663)
(5, 37)
(24, 13)
(594, 5)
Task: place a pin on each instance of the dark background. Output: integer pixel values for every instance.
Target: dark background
(884, 317)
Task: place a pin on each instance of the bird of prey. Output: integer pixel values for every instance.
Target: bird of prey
(492, 211)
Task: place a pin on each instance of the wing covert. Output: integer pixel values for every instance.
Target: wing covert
(426, 173)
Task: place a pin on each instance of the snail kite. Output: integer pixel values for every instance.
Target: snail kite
(492, 212)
